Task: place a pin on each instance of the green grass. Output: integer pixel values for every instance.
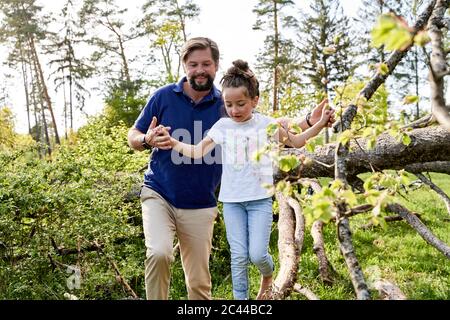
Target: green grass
(397, 254)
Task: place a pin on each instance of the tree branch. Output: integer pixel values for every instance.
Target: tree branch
(438, 190)
(288, 251)
(379, 78)
(438, 65)
(428, 145)
(424, 232)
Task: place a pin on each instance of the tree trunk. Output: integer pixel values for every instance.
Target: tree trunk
(288, 251)
(44, 88)
(25, 85)
(276, 57)
(428, 145)
(439, 67)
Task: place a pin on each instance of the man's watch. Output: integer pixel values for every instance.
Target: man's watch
(145, 144)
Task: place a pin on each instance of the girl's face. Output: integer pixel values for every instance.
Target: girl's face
(238, 104)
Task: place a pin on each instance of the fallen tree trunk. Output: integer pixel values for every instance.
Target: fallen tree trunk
(428, 145)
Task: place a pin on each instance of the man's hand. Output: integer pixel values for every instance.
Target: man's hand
(158, 136)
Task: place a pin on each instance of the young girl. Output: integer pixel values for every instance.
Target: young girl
(247, 204)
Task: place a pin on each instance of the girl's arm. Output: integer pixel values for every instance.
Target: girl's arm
(299, 140)
(193, 151)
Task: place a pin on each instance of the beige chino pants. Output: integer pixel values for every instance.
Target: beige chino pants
(194, 229)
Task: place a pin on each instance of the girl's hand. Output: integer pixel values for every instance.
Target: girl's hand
(327, 117)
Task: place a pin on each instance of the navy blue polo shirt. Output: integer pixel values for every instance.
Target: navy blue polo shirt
(185, 183)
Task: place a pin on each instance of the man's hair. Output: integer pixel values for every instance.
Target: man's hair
(200, 43)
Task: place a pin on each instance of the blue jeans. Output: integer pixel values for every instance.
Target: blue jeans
(248, 225)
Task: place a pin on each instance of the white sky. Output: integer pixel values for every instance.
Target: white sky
(228, 22)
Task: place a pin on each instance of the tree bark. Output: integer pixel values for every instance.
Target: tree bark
(288, 251)
(424, 232)
(438, 65)
(428, 145)
(276, 57)
(319, 250)
(437, 166)
(438, 190)
(306, 292)
(348, 251)
(44, 87)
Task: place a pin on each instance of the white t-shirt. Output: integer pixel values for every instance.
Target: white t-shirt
(242, 176)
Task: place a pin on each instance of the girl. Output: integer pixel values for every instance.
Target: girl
(247, 204)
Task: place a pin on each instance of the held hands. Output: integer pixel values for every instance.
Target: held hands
(158, 136)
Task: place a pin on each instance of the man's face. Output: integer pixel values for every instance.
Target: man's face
(200, 69)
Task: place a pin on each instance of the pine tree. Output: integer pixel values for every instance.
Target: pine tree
(109, 35)
(327, 57)
(24, 28)
(277, 55)
(71, 71)
(165, 24)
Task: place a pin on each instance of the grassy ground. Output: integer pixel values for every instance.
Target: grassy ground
(397, 254)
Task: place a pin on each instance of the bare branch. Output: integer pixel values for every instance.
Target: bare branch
(306, 292)
(424, 232)
(348, 251)
(288, 251)
(437, 166)
(438, 190)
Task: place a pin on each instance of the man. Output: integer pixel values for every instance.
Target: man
(178, 197)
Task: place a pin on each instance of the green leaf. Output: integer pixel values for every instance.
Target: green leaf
(329, 50)
(410, 99)
(383, 69)
(371, 143)
(295, 128)
(337, 38)
(350, 197)
(288, 163)
(345, 137)
(271, 129)
(391, 32)
(406, 140)
(422, 38)
(310, 147)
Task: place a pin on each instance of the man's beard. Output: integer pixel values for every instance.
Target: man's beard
(202, 87)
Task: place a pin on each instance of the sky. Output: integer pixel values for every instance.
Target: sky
(228, 22)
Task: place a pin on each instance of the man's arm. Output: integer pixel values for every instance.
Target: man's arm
(155, 137)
